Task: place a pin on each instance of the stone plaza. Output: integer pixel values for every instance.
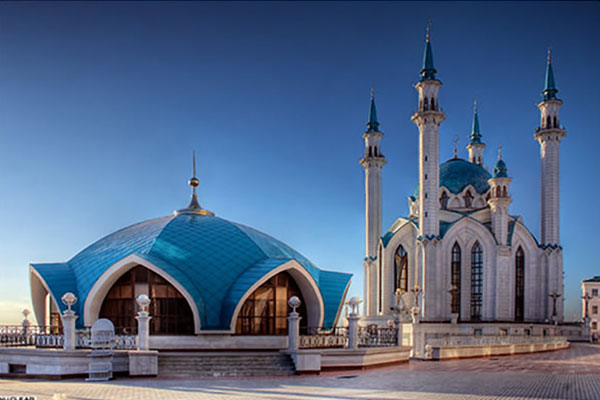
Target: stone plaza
(566, 374)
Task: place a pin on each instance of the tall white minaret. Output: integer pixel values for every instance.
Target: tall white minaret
(475, 146)
(372, 161)
(549, 134)
(428, 118)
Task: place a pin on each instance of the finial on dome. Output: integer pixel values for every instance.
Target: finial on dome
(475, 105)
(500, 152)
(550, 53)
(456, 147)
(194, 207)
(428, 34)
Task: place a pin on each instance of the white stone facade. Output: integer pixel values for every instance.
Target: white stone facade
(464, 243)
(591, 289)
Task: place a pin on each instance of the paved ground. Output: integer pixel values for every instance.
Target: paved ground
(564, 374)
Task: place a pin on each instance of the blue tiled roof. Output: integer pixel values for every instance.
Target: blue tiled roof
(212, 258)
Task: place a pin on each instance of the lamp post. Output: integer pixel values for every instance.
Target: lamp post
(294, 324)
(555, 296)
(69, 318)
(399, 308)
(415, 310)
(586, 297)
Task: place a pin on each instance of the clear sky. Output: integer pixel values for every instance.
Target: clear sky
(102, 103)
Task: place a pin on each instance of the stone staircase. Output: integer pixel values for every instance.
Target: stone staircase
(224, 364)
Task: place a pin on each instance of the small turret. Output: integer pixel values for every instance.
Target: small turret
(500, 200)
(475, 146)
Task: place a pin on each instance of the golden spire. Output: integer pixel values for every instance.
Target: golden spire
(550, 53)
(500, 152)
(372, 93)
(194, 207)
(475, 105)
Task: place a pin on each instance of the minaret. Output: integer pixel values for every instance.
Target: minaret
(549, 134)
(428, 118)
(475, 146)
(372, 162)
(500, 200)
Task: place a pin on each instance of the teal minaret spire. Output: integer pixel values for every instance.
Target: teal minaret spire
(476, 146)
(373, 124)
(550, 89)
(475, 131)
(428, 71)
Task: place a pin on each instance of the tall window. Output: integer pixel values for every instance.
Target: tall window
(468, 197)
(519, 285)
(265, 311)
(170, 311)
(455, 280)
(401, 269)
(476, 281)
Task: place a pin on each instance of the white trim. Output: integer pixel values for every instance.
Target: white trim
(315, 306)
(40, 315)
(104, 283)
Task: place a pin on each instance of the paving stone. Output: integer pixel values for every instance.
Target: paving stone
(572, 374)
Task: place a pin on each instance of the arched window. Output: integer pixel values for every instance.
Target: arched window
(401, 269)
(265, 311)
(370, 151)
(432, 104)
(455, 280)
(476, 281)
(425, 104)
(444, 200)
(171, 314)
(468, 199)
(555, 122)
(519, 285)
(548, 122)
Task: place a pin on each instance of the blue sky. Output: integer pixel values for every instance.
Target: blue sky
(101, 105)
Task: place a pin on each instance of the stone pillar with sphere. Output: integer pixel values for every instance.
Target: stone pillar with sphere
(294, 324)
(69, 318)
(353, 323)
(143, 318)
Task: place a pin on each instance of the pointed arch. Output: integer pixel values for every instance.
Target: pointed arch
(401, 269)
(476, 281)
(519, 284)
(455, 279)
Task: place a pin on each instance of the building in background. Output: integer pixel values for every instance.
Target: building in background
(590, 303)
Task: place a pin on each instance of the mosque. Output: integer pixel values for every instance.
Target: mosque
(206, 277)
(460, 255)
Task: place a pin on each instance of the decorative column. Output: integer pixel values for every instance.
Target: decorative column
(372, 161)
(69, 317)
(143, 318)
(294, 324)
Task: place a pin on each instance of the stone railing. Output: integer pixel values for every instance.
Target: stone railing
(19, 335)
(321, 338)
(453, 341)
(374, 336)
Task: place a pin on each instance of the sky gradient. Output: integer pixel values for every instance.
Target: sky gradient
(101, 105)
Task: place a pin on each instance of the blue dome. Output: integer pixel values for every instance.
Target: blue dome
(215, 260)
(456, 174)
(500, 170)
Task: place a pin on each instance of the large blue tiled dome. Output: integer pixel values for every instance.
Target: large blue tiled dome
(456, 174)
(215, 260)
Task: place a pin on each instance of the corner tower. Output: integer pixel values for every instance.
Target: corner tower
(475, 146)
(549, 134)
(372, 161)
(428, 118)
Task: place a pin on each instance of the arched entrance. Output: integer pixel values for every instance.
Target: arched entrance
(266, 310)
(170, 311)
